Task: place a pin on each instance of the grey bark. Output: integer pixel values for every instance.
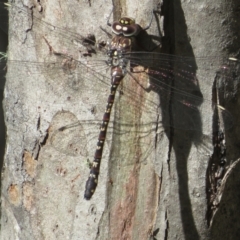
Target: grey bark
(3, 47)
(152, 184)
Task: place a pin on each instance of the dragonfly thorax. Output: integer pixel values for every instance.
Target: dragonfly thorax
(116, 58)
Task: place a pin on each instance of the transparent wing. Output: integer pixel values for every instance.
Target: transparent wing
(175, 78)
(177, 89)
(80, 137)
(177, 81)
(34, 18)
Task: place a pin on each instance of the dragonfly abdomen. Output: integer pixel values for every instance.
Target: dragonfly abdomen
(91, 184)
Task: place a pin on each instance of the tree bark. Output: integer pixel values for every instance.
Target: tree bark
(153, 178)
(3, 47)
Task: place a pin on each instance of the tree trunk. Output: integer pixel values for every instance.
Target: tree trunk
(154, 179)
(3, 47)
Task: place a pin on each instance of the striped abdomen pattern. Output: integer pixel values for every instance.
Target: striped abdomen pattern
(92, 181)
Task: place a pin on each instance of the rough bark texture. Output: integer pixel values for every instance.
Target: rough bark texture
(152, 183)
(3, 47)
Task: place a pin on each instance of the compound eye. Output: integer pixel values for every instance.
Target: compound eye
(126, 26)
(117, 28)
(130, 30)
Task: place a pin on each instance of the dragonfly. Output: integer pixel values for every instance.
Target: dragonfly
(174, 78)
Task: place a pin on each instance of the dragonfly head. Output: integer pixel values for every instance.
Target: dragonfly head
(126, 26)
